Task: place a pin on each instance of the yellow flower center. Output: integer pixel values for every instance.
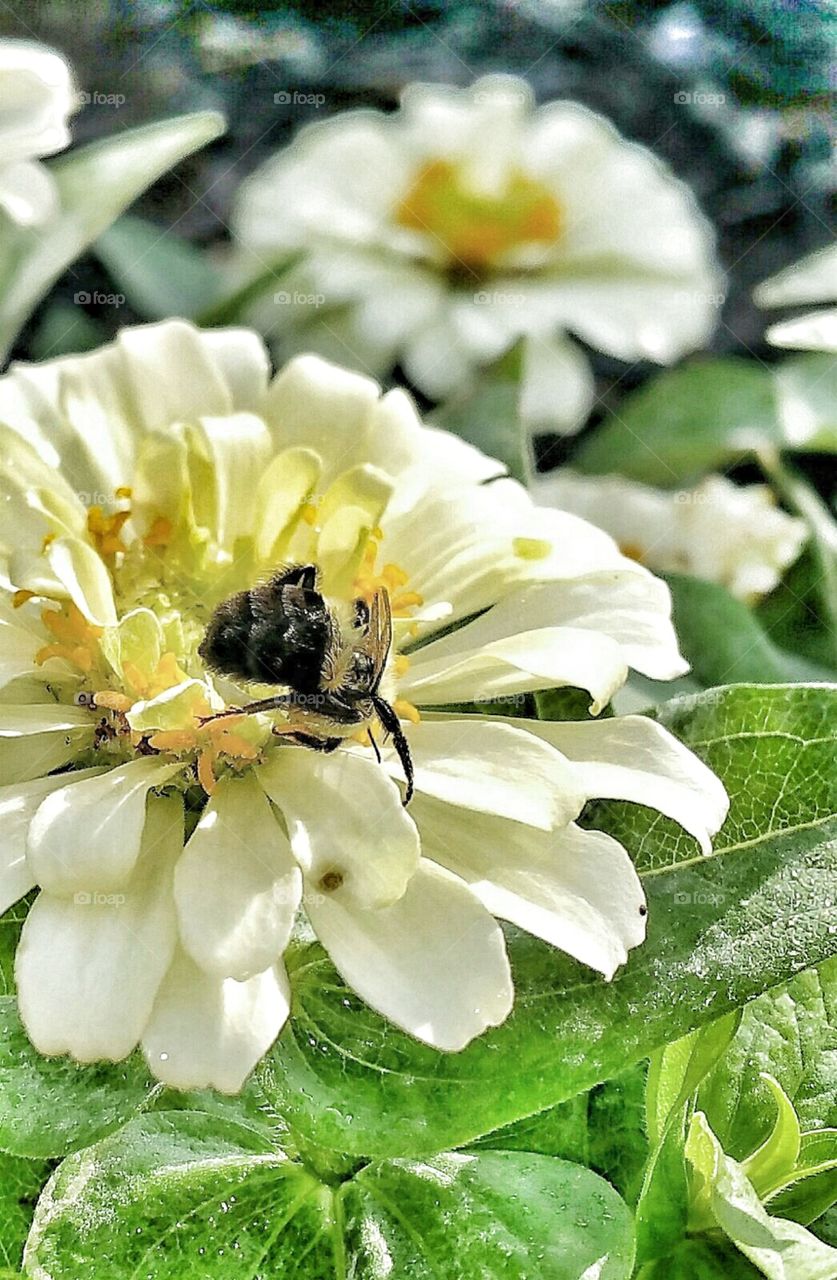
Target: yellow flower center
(475, 229)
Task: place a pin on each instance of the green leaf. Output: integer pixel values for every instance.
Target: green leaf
(773, 1162)
(722, 929)
(603, 1128)
(812, 1187)
(507, 1215)
(49, 1106)
(701, 1260)
(781, 1249)
(791, 1034)
(160, 273)
(674, 1074)
(804, 499)
(95, 183)
(684, 422)
(724, 642)
(793, 615)
(188, 1197)
(20, 1185)
(65, 329)
(486, 415)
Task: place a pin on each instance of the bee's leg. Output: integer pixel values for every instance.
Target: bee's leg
(250, 708)
(392, 725)
(316, 744)
(375, 746)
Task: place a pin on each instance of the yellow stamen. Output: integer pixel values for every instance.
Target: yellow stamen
(20, 597)
(206, 771)
(309, 513)
(124, 491)
(632, 551)
(110, 700)
(159, 535)
(48, 538)
(401, 665)
(172, 740)
(77, 639)
(475, 229)
(105, 530)
(406, 711)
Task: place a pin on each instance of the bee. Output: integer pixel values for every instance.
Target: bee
(284, 632)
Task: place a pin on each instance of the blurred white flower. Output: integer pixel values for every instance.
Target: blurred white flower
(141, 485)
(440, 235)
(727, 533)
(813, 279)
(36, 99)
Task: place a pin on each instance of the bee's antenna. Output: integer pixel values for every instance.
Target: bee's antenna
(392, 725)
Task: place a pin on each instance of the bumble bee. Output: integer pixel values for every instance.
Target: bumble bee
(283, 632)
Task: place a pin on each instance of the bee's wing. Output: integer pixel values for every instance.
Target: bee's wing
(379, 634)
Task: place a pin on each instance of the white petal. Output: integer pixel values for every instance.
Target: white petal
(345, 822)
(207, 1032)
(816, 331)
(234, 452)
(86, 837)
(169, 371)
(88, 970)
(634, 758)
(576, 889)
(434, 963)
(83, 575)
(237, 886)
(557, 387)
(487, 767)
(34, 739)
(325, 408)
(28, 193)
(17, 806)
(550, 658)
(811, 279)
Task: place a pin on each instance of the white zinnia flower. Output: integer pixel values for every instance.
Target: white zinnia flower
(143, 483)
(813, 279)
(441, 234)
(36, 99)
(727, 533)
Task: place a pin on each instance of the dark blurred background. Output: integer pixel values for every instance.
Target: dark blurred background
(733, 94)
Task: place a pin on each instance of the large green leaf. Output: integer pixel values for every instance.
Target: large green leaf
(95, 184)
(49, 1106)
(684, 422)
(723, 640)
(183, 1196)
(722, 929)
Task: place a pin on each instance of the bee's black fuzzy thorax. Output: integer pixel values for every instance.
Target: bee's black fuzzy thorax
(276, 633)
